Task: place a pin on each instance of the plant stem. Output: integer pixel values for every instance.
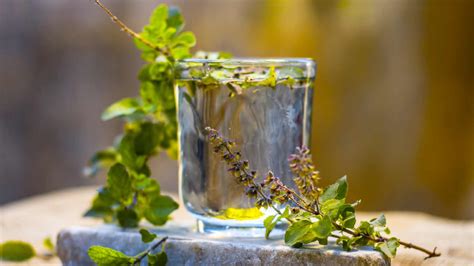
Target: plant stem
(297, 199)
(430, 254)
(142, 255)
(129, 31)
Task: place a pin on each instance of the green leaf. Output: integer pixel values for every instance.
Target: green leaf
(269, 225)
(153, 72)
(379, 224)
(147, 184)
(366, 228)
(186, 39)
(148, 54)
(347, 216)
(331, 207)
(102, 205)
(48, 244)
(123, 107)
(126, 149)
(104, 256)
(175, 19)
(158, 16)
(180, 52)
(305, 231)
(388, 247)
(147, 237)
(337, 190)
(297, 231)
(148, 138)
(14, 250)
(270, 222)
(344, 242)
(127, 218)
(159, 209)
(322, 228)
(379, 221)
(159, 259)
(119, 182)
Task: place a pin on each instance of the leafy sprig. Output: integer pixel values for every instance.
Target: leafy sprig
(131, 194)
(104, 256)
(313, 214)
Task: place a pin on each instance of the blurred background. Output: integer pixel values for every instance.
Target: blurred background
(393, 107)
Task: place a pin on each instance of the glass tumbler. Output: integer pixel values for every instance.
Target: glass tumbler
(264, 106)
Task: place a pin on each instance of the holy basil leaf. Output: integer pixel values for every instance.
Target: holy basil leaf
(158, 16)
(344, 242)
(104, 256)
(175, 19)
(180, 52)
(322, 228)
(128, 154)
(148, 138)
(269, 225)
(305, 231)
(147, 236)
(119, 182)
(379, 221)
(102, 205)
(331, 207)
(271, 221)
(296, 232)
(347, 215)
(155, 71)
(159, 209)
(127, 218)
(337, 190)
(186, 39)
(14, 250)
(379, 224)
(147, 184)
(366, 228)
(388, 247)
(123, 107)
(159, 259)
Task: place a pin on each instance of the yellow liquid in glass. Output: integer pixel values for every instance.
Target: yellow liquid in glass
(241, 214)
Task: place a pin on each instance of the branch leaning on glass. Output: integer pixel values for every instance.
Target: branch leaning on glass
(314, 214)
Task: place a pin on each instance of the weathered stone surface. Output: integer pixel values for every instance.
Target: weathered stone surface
(187, 248)
(37, 217)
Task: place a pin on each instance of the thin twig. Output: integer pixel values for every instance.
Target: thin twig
(430, 254)
(129, 31)
(148, 250)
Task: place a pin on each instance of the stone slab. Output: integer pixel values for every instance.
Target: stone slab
(35, 218)
(185, 247)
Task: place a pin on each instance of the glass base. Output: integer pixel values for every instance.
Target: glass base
(220, 230)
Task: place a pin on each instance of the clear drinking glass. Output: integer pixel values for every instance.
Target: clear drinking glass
(264, 105)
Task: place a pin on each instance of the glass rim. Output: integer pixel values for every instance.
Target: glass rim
(252, 61)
